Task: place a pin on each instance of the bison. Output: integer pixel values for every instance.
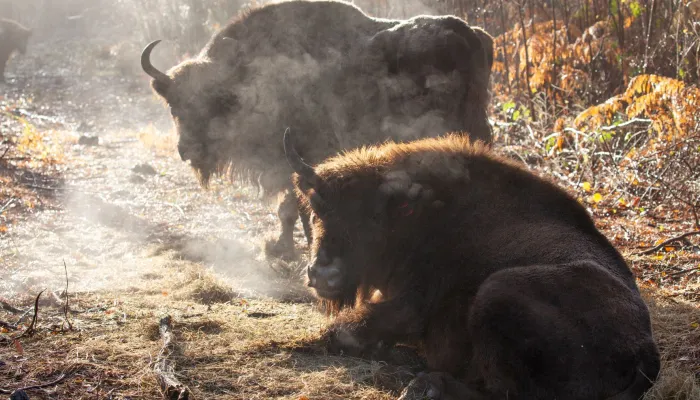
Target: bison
(500, 275)
(13, 36)
(326, 69)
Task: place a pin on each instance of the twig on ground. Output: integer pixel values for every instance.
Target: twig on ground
(7, 205)
(5, 152)
(7, 325)
(164, 367)
(30, 331)
(683, 272)
(176, 207)
(63, 376)
(9, 308)
(666, 243)
(23, 316)
(65, 305)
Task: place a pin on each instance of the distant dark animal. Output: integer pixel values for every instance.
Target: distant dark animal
(501, 275)
(326, 69)
(13, 36)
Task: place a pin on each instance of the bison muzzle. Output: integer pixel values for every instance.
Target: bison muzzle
(501, 275)
(326, 69)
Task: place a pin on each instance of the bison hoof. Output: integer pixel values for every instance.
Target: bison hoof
(423, 387)
(280, 249)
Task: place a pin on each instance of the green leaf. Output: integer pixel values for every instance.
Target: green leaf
(516, 115)
(636, 9)
(507, 106)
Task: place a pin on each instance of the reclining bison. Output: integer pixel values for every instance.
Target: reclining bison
(501, 275)
(13, 36)
(326, 69)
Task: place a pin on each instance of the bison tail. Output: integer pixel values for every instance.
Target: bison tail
(645, 374)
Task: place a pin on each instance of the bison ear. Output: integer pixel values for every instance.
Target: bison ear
(160, 87)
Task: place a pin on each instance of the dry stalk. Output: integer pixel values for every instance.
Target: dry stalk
(30, 331)
(65, 305)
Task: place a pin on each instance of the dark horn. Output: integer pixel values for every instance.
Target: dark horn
(294, 159)
(148, 67)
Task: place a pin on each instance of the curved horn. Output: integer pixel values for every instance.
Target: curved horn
(148, 67)
(294, 159)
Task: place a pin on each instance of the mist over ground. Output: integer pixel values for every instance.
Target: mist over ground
(81, 77)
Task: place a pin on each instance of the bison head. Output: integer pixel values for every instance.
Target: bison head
(354, 210)
(201, 104)
(224, 103)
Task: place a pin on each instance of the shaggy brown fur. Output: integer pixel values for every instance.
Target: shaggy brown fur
(322, 68)
(500, 274)
(13, 36)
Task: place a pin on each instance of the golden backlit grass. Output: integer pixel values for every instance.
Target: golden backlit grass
(234, 347)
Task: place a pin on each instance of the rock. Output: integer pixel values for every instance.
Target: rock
(136, 179)
(89, 140)
(144, 169)
(19, 395)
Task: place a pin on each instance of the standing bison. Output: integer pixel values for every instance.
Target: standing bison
(326, 69)
(13, 36)
(502, 276)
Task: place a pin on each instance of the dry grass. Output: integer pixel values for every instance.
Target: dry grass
(243, 348)
(223, 337)
(162, 144)
(676, 330)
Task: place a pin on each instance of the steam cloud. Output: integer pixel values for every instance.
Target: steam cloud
(110, 222)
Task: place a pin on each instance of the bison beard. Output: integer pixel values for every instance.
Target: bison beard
(501, 275)
(13, 36)
(321, 67)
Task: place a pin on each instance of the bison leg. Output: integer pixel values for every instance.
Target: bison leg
(369, 328)
(571, 331)
(288, 212)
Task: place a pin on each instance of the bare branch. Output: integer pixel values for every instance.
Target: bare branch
(666, 243)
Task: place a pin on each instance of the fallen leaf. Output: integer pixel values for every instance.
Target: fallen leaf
(18, 347)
